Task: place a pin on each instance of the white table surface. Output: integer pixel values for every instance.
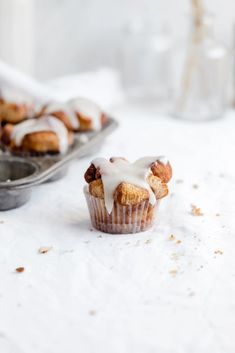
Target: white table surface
(117, 293)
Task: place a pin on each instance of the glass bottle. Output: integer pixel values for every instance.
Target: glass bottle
(202, 85)
(146, 61)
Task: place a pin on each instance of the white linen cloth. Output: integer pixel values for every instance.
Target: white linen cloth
(141, 293)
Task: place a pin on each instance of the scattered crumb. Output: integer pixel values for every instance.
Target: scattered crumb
(20, 269)
(148, 241)
(173, 273)
(218, 252)
(87, 241)
(172, 237)
(196, 211)
(44, 249)
(127, 243)
(92, 312)
(221, 175)
(1, 222)
(91, 230)
(99, 236)
(195, 186)
(179, 181)
(217, 214)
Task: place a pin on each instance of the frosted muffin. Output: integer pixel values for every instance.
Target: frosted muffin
(13, 112)
(78, 114)
(122, 197)
(37, 136)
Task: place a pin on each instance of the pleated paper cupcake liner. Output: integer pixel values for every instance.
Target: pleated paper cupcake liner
(123, 219)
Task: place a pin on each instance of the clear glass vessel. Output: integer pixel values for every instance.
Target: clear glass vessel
(201, 91)
(146, 61)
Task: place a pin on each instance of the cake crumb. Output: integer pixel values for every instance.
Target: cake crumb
(92, 312)
(178, 241)
(171, 237)
(217, 214)
(173, 272)
(195, 186)
(20, 269)
(1, 221)
(44, 249)
(196, 211)
(148, 241)
(218, 252)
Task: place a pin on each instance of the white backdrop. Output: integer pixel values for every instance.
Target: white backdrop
(54, 37)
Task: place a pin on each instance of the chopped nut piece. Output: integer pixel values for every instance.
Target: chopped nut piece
(218, 252)
(172, 237)
(173, 273)
(44, 249)
(178, 241)
(19, 269)
(196, 211)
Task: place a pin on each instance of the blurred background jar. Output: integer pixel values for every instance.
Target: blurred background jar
(147, 62)
(201, 91)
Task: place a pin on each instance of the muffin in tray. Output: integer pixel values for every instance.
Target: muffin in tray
(122, 197)
(14, 112)
(78, 114)
(37, 136)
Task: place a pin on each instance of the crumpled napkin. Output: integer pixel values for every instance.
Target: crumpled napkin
(102, 86)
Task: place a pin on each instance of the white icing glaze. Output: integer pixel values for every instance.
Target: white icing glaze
(57, 107)
(89, 109)
(163, 160)
(46, 123)
(112, 174)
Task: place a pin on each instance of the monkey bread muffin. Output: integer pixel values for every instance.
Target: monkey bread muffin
(122, 197)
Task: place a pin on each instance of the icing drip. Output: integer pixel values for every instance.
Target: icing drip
(57, 107)
(163, 160)
(46, 123)
(113, 174)
(89, 109)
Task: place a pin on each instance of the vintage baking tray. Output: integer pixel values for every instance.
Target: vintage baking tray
(18, 175)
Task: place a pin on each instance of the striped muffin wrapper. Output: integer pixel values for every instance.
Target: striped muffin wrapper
(124, 219)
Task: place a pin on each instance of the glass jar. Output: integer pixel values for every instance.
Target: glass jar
(201, 91)
(146, 61)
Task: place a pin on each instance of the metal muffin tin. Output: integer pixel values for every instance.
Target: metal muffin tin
(18, 175)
